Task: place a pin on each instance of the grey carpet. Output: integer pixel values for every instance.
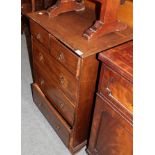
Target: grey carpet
(38, 137)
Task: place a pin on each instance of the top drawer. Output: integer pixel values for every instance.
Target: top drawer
(65, 56)
(40, 34)
(116, 88)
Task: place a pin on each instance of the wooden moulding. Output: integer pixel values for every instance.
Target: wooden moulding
(107, 22)
(100, 29)
(63, 6)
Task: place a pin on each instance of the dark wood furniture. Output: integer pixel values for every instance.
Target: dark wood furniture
(108, 19)
(28, 6)
(108, 15)
(111, 132)
(65, 70)
(63, 6)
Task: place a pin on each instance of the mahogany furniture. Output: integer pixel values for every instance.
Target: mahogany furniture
(63, 6)
(111, 132)
(32, 5)
(108, 18)
(28, 6)
(65, 70)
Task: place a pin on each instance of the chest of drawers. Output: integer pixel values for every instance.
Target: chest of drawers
(111, 132)
(63, 87)
(65, 71)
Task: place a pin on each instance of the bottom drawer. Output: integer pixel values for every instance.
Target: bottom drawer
(57, 122)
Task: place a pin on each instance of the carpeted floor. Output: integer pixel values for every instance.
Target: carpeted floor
(38, 137)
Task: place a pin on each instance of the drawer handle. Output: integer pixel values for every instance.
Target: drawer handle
(41, 58)
(61, 105)
(62, 79)
(42, 82)
(39, 104)
(38, 36)
(58, 128)
(60, 57)
(108, 91)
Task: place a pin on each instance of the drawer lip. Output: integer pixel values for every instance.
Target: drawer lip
(120, 58)
(69, 55)
(117, 69)
(66, 129)
(121, 109)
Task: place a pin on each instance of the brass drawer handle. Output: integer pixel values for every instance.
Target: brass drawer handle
(61, 79)
(58, 128)
(42, 82)
(38, 36)
(61, 105)
(39, 104)
(60, 56)
(108, 91)
(41, 57)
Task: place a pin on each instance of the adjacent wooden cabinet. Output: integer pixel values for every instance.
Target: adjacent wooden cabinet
(112, 133)
(112, 129)
(65, 70)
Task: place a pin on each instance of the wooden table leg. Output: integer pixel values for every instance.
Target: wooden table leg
(63, 6)
(108, 20)
(33, 5)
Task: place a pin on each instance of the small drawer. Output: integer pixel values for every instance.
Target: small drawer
(57, 122)
(37, 50)
(116, 88)
(65, 56)
(59, 74)
(54, 94)
(40, 34)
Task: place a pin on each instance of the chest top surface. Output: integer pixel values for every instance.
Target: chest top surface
(120, 59)
(69, 27)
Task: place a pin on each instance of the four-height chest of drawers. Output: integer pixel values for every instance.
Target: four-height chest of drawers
(65, 71)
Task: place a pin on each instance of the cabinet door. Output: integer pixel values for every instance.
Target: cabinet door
(111, 133)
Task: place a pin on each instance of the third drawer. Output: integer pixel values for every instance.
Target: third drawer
(65, 107)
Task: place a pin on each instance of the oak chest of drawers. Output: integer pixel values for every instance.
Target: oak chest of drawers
(111, 132)
(65, 71)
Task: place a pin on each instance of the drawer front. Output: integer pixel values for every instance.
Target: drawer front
(65, 56)
(54, 94)
(51, 114)
(40, 34)
(116, 88)
(62, 77)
